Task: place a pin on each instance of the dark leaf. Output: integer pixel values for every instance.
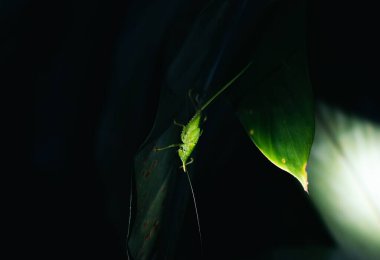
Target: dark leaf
(276, 107)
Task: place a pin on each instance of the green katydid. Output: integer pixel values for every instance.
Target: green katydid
(190, 135)
(191, 131)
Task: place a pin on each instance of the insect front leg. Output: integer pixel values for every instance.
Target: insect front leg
(189, 162)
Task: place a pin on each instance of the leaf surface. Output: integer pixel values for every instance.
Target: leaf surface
(162, 189)
(276, 107)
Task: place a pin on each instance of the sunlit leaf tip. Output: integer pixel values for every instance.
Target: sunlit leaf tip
(299, 173)
(303, 179)
(301, 176)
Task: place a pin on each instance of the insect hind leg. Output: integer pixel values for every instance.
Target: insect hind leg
(178, 124)
(156, 149)
(194, 101)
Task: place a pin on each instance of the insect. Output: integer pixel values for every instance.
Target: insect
(191, 132)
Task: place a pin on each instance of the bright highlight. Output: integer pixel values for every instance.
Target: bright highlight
(344, 178)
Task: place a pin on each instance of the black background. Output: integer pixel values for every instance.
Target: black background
(62, 62)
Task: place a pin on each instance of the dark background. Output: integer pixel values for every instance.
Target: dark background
(64, 65)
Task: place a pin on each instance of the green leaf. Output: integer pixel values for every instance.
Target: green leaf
(276, 107)
(157, 176)
(162, 189)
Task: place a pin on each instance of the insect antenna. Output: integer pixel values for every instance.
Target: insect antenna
(196, 210)
(130, 215)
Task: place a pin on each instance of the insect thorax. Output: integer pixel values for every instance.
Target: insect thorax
(191, 132)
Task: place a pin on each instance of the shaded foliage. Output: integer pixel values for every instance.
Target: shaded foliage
(69, 64)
